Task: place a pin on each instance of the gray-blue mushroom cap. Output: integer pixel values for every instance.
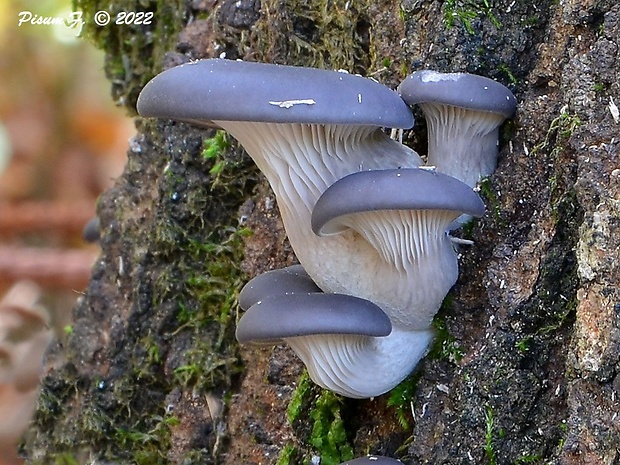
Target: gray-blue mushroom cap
(395, 189)
(226, 90)
(304, 314)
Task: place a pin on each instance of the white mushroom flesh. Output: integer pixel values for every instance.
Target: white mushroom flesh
(361, 366)
(415, 243)
(302, 160)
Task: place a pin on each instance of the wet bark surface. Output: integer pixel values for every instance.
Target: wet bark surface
(524, 369)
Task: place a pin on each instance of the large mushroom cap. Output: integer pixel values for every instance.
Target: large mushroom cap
(292, 315)
(226, 90)
(459, 90)
(400, 189)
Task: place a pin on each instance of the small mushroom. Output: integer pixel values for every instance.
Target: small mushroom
(346, 343)
(304, 314)
(404, 214)
(463, 113)
(91, 232)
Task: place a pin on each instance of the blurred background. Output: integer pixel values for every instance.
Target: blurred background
(62, 143)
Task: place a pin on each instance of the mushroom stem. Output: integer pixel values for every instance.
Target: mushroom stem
(361, 366)
(462, 143)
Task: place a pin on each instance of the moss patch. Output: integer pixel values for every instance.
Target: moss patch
(317, 416)
(315, 33)
(133, 52)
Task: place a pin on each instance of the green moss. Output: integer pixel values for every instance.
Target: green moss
(316, 33)
(180, 331)
(466, 12)
(523, 344)
(215, 149)
(532, 458)
(491, 199)
(149, 439)
(206, 278)
(132, 52)
(401, 397)
(66, 459)
(445, 346)
(508, 72)
(299, 398)
(288, 455)
(329, 436)
(489, 436)
(317, 415)
(531, 21)
(560, 129)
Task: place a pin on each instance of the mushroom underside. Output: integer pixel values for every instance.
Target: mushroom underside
(301, 161)
(361, 366)
(462, 143)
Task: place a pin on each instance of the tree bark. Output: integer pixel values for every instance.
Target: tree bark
(524, 369)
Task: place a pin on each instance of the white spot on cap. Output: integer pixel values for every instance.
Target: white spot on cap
(359, 98)
(292, 103)
(434, 76)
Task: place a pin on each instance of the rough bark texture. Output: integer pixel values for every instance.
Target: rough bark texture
(524, 369)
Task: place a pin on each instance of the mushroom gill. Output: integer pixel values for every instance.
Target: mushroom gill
(404, 215)
(361, 366)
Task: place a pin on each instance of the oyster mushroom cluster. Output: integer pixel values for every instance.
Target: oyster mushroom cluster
(368, 220)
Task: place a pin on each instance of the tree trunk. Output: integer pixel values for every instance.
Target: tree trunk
(524, 366)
